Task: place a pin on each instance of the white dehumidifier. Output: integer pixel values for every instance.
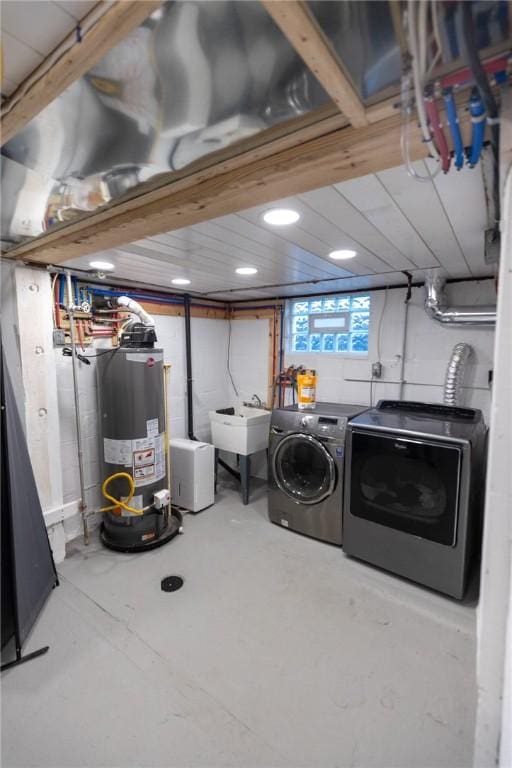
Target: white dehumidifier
(192, 474)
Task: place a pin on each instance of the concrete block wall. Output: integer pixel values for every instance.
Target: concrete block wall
(249, 358)
(209, 371)
(347, 379)
(89, 419)
(428, 349)
(249, 355)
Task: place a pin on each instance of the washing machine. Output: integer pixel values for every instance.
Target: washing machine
(306, 464)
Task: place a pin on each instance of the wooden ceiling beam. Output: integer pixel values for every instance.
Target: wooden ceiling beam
(58, 71)
(340, 154)
(302, 30)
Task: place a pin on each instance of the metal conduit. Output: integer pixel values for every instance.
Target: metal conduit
(78, 420)
(436, 308)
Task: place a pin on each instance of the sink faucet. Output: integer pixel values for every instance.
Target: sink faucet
(255, 402)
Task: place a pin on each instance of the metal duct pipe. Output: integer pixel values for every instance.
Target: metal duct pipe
(133, 306)
(455, 373)
(435, 307)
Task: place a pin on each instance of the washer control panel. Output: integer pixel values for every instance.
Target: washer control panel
(328, 420)
(330, 426)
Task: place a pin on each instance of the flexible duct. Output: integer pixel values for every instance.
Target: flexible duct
(133, 306)
(436, 308)
(455, 373)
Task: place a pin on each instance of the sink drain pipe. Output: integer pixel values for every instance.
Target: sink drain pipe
(190, 381)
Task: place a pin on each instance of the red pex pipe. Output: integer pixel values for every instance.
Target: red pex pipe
(56, 303)
(437, 128)
(464, 75)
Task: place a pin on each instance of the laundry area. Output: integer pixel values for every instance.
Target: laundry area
(256, 330)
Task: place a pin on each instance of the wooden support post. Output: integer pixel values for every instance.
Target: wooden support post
(302, 30)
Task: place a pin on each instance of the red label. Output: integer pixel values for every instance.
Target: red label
(151, 361)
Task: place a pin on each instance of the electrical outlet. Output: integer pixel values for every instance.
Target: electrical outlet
(376, 370)
(161, 498)
(59, 337)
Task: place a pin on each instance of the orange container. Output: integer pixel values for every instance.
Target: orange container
(306, 389)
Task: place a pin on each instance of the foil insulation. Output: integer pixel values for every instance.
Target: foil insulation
(195, 77)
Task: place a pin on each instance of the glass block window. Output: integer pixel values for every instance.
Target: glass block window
(354, 340)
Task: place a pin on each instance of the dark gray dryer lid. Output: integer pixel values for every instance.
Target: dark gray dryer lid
(422, 419)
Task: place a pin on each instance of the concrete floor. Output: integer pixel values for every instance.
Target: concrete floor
(278, 651)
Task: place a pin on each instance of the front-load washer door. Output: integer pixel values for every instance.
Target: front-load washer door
(304, 469)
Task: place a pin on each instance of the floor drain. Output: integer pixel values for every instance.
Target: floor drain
(171, 583)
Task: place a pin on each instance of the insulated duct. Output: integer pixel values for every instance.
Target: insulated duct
(455, 373)
(436, 308)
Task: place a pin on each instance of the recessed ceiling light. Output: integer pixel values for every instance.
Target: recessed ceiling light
(342, 255)
(280, 217)
(246, 270)
(180, 281)
(101, 265)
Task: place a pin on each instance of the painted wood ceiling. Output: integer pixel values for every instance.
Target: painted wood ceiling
(393, 222)
(31, 30)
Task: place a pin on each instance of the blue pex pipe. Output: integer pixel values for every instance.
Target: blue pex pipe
(137, 296)
(453, 122)
(62, 282)
(477, 111)
(159, 299)
(163, 299)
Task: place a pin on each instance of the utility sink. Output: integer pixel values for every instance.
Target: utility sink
(245, 431)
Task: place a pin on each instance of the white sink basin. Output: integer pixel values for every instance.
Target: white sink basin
(245, 432)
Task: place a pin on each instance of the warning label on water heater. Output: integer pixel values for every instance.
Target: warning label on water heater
(145, 456)
(148, 460)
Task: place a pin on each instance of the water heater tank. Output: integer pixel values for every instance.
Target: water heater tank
(132, 424)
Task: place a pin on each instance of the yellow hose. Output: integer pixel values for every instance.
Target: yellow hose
(116, 503)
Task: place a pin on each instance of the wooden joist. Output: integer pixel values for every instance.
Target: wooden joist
(176, 310)
(302, 30)
(340, 154)
(52, 77)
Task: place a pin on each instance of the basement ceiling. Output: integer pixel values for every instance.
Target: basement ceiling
(31, 30)
(393, 222)
(194, 78)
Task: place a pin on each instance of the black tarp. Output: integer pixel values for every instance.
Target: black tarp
(28, 570)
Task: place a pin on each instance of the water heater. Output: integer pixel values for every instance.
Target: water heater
(133, 437)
